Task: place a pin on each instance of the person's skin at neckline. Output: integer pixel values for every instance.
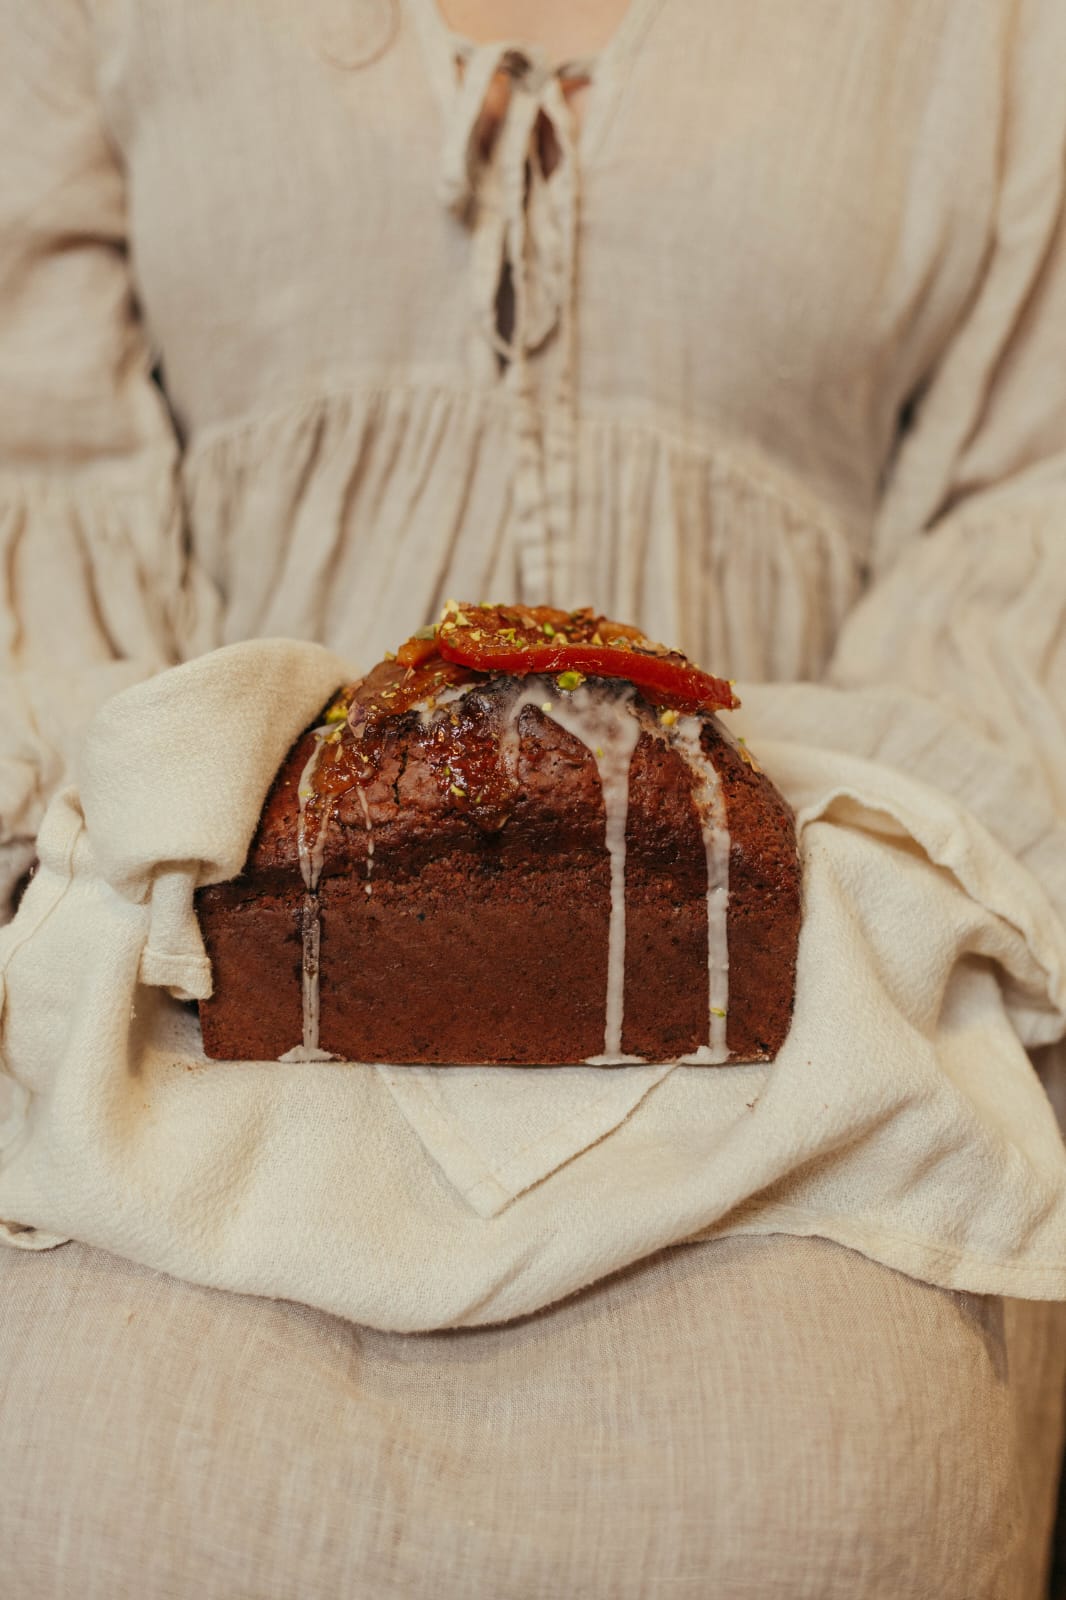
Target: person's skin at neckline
(564, 29)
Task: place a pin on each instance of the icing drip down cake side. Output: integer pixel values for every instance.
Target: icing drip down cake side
(466, 864)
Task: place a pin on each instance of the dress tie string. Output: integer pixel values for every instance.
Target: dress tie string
(524, 228)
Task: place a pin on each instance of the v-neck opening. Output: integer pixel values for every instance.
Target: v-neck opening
(607, 67)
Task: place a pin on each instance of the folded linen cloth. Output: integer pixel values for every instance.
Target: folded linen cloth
(901, 1118)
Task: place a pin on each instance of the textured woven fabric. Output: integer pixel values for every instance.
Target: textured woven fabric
(901, 1116)
(735, 1421)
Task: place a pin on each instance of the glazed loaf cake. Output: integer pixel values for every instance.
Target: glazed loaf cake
(467, 863)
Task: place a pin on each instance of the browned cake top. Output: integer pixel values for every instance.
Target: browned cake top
(442, 771)
(478, 828)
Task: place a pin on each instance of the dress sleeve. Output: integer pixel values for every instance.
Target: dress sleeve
(956, 656)
(95, 588)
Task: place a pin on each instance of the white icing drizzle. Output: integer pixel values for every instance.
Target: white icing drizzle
(610, 730)
(365, 803)
(530, 692)
(312, 856)
(710, 808)
(450, 695)
(608, 727)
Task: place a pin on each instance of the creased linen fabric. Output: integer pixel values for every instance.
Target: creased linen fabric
(724, 1422)
(863, 223)
(901, 1117)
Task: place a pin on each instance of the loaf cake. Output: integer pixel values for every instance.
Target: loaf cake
(525, 839)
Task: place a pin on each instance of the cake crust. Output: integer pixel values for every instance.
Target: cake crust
(462, 901)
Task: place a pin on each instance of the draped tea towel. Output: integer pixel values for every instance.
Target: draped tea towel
(902, 1117)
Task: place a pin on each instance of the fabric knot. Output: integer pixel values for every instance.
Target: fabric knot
(529, 70)
(509, 172)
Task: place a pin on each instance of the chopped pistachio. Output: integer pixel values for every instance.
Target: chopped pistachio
(716, 1011)
(599, 752)
(450, 606)
(549, 630)
(570, 680)
(428, 632)
(455, 789)
(667, 718)
(389, 655)
(596, 637)
(547, 706)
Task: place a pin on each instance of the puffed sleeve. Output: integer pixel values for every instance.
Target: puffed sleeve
(953, 665)
(956, 656)
(95, 587)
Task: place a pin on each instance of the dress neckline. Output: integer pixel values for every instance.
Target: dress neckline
(605, 70)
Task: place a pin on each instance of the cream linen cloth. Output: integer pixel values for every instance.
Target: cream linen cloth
(784, 383)
(902, 1116)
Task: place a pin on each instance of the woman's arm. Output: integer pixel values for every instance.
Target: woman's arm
(969, 603)
(95, 588)
(955, 659)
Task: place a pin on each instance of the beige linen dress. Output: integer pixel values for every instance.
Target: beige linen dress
(785, 382)
(790, 330)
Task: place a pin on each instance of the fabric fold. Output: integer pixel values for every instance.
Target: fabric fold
(902, 1116)
(903, 731)
(705, 542)
(957, 659)
(496, 1131)
(174, 957)
(95, 594)
(94, 565)
(218, 728)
